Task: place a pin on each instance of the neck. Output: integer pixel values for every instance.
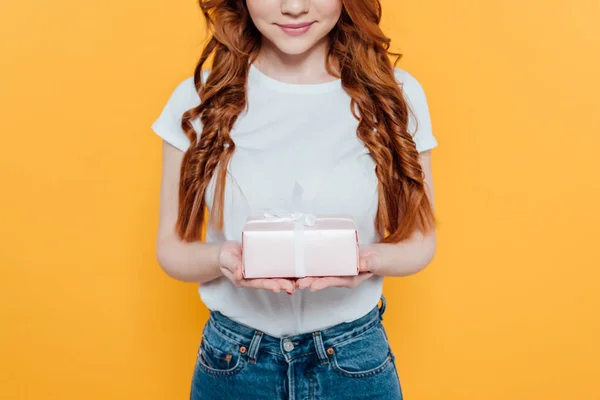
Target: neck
(305, 68)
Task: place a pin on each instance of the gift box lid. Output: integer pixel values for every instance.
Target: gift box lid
(323, 222)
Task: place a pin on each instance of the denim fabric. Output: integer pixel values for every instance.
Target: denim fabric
(347, 361)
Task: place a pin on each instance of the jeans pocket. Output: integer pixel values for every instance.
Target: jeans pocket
(218, 355)
(365, 355)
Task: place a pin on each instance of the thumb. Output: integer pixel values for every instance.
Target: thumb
(364, 265)
(238, 274)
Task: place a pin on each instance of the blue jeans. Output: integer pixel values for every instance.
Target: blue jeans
(347, 361)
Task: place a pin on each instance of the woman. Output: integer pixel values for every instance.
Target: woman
(299, 90)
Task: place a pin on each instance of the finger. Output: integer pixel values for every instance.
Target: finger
(323, 283)
(269, 284)
(238, 248)
(341, 281)
(370, 258)
(286, 285)
(305, 282)
(239, 274)
(272, 284)
(363, 265)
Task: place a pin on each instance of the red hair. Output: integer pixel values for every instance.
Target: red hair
(359, 56)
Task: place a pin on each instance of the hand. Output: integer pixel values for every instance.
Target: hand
(369, 260)
(230, 262)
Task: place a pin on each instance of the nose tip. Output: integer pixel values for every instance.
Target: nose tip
(294, 7)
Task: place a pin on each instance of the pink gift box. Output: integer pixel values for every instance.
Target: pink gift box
(285, 248)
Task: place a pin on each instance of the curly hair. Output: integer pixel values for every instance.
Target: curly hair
(359, 56)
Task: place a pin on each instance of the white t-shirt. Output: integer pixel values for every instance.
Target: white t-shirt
(288, 133)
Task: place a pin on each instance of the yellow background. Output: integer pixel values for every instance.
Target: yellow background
(508, 310)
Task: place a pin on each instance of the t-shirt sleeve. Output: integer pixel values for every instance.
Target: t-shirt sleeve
(419, 122)
(168, 124)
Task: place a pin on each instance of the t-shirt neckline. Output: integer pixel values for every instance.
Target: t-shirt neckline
(312, 88)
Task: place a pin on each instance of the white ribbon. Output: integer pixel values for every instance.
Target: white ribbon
(300, 219)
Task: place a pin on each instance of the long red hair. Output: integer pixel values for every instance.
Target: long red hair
(359, 56)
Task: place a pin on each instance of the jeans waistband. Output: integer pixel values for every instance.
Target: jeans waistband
(247, 336)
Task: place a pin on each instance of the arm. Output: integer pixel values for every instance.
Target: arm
(409, 256)
(188, 262)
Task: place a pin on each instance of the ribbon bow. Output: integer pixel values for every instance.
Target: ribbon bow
(299, 217)
(293, 214)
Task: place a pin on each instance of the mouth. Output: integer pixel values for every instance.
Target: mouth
(296, 29)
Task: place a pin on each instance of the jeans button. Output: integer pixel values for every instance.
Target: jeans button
(288, 346)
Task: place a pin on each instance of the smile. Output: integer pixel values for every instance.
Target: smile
(295, 29)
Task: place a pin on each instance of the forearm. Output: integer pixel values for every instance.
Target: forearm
(404, 258)
(188, 262)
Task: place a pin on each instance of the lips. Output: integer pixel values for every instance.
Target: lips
(295, 29)
(296, 26)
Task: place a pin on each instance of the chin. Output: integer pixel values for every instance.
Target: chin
(294, 45)
(294, 48)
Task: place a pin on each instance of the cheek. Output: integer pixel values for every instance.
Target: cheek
(260, 10)
(254, 14)
(331, 9)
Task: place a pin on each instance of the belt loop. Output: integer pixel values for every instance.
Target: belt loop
(382, 308)
(254, 346)
(320, 347)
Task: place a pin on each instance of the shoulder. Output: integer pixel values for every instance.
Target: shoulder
(412, 90)
(185, 96)
(409, 83)
(419, 122)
